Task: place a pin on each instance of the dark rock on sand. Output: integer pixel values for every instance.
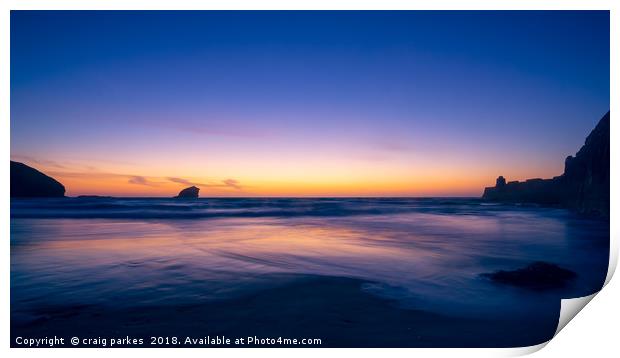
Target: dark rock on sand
(583, 187)
(537, 275)
(27, 182)
(189, 193)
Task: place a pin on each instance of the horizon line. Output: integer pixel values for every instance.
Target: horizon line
(273, 197)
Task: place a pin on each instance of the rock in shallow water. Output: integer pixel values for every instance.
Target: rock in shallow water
(537, 275)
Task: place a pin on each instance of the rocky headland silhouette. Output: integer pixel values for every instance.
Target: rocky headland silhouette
(27, 182)
(583, 187)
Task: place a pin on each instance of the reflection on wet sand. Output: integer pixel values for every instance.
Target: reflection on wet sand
(407, 268)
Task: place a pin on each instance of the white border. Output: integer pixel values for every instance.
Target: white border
(597, 328)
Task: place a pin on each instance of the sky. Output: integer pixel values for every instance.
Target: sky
(312, 103)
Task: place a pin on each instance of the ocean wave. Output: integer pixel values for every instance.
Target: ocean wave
(157, 208)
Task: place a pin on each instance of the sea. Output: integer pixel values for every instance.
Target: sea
(417, 254)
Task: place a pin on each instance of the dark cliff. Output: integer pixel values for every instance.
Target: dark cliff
(27, 182)
(586, 177)
(583, 187)
(188, 193)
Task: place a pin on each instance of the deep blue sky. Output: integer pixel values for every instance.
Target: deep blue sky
(322, 101)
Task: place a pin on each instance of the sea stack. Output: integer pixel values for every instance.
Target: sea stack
(188, 193)
(27, 182)
(583, 187)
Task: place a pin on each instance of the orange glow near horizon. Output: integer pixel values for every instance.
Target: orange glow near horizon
(327, 179)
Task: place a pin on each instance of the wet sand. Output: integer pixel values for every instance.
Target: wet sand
(336, 310)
